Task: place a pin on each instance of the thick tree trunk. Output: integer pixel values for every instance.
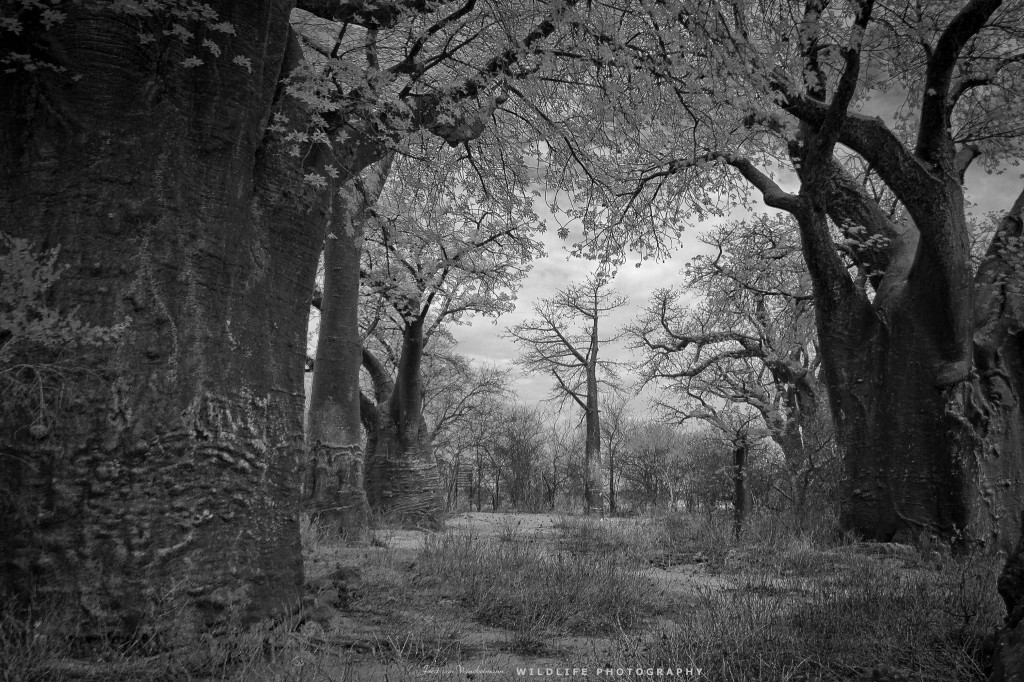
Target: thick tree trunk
(1008, 662)
(924, 384)
(334, 471)
(927, 450)
(402, 479)
(900, 453)
(168, 477)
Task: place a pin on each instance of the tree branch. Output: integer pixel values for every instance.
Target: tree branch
(383, 385)
(934, 142)
(408, 64)
(370, 14)
(872, 139)
(828, 132)
(771, 193)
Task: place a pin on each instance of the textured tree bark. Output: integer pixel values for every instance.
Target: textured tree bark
(334, 490)
(934, 446)
(402, 480)
(924, 380)
(1008, 662)
(167, 482)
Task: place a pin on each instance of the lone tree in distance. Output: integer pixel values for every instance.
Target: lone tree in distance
(563, 340)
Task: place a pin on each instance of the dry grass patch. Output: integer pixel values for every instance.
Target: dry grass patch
(815, 606)
(534, 592)
(787, 601)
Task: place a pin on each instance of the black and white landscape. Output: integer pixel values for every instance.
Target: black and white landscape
(416, 339)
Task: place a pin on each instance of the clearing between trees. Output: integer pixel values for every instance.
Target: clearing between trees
(495, 595)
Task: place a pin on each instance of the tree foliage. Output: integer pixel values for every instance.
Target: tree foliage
(747, 339)
(745, 89)
(38, 341)
(453, 234)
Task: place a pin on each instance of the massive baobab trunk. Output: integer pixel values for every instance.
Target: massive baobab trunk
(925, 375)
(334, 487)
(401, 472)
(931, 425)
(168, 468)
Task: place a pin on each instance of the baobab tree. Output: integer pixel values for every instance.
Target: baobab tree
(179, 217)
(919, 357)
(333, 488)
(450, 239)
(747, 338)
(563, 340)
(184, 159)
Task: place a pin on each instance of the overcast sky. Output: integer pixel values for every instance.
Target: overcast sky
(482, 339)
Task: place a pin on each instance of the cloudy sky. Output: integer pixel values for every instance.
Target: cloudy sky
(482, 339)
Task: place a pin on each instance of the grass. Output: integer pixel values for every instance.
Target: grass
(633, 539)
(536, 592)
(814, 605)
(35, 646)
(837, 625)
(786, 601)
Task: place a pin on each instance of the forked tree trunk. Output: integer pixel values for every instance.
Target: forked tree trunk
(925, 379)
(402, 479)
(933, 446)
(166, 481)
